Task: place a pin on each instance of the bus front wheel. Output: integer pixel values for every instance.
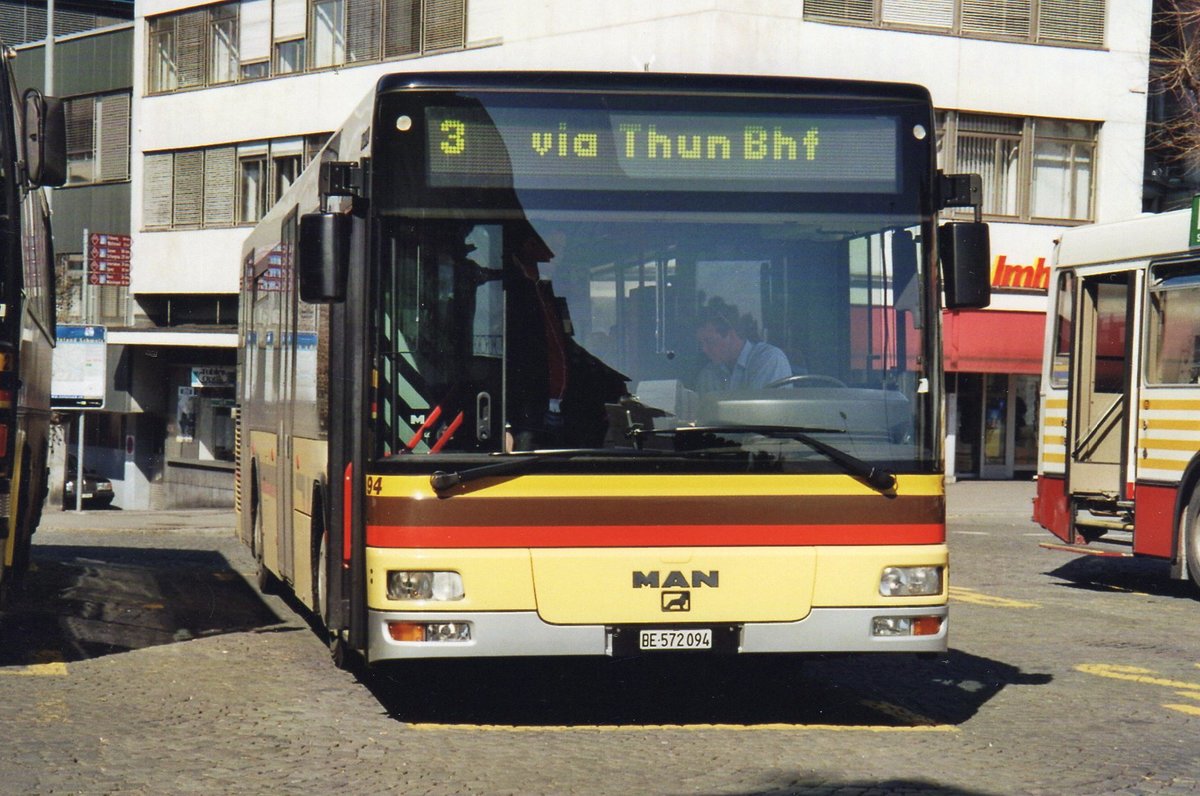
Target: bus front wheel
(1191, 537)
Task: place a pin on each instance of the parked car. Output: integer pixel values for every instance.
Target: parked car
(97, 490)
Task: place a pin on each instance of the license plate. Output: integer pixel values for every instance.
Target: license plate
(87, 495)
(699, 639)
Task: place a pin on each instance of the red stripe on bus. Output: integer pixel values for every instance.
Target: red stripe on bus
(651, 535)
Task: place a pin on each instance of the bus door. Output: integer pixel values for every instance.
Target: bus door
(285, 470)
(1100, 407)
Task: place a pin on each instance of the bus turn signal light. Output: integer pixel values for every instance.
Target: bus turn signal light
(906, 626)
(429, 631)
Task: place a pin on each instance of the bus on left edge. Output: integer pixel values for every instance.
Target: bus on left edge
(32, 156)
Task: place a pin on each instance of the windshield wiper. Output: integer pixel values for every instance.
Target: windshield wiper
(878, 477)
(522, 461)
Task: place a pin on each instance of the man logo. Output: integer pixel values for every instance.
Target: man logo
(676, 580)
(676, 601)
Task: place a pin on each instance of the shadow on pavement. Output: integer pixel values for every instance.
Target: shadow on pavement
(84, 602)
(1144, 575)
(802, 786)
(687, 689)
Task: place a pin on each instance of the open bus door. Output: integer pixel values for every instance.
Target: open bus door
(1101, 404)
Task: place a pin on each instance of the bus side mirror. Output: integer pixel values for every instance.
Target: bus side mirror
(45, 140)
(324, 257)
(966, 254)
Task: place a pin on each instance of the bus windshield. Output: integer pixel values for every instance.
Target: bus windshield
(528, 304)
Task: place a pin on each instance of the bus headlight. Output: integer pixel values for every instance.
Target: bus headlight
(424, 585)
(910, 581)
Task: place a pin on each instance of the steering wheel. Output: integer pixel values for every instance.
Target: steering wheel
(808, 380)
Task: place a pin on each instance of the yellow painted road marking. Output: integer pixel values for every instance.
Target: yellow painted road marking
(56, 669)
(1191, 710)
(1137, 674)
(776, 727)
(976, 598)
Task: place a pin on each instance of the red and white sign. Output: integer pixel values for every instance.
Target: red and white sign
(108, 259)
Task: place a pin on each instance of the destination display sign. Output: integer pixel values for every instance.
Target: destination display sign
(573, 149)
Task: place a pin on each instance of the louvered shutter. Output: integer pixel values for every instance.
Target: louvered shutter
(445, 24)
(189, 188)
(254, 43)
(189, 47)
(1076, 21)
(997, 17)
(81, 140)
(362, 30)
(840, 10)
(291, 19)
(402, 27)
(220, 186)
(114, 137)
(157, 190)
(924, 13)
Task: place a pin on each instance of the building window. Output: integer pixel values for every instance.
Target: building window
(221, 186)
(328, 39)
(223, 61)
(254, 39)
(1070, 22)
(97, 138)
(252, 183)
(1038, 170)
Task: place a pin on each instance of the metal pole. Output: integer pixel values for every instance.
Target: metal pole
(79, 463)
(50, 48)
(85, 290)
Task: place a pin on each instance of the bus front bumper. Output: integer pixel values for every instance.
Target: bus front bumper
(514, 633)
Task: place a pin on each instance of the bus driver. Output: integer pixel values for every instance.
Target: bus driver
(735, 361)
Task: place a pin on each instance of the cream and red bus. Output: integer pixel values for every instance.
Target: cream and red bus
(608, 364)
(1119, 464)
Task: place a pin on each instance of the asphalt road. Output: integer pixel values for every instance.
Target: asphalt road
(141, 660)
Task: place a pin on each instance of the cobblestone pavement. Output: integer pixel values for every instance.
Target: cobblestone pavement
(140, 660)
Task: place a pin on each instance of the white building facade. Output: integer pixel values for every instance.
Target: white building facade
(1045, 98)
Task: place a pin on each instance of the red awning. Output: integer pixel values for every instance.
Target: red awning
(993, 341)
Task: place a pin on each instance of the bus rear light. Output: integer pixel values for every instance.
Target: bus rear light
(6, 399)
(906, 626)
(429, 631)
(3, 440)
(422, 585)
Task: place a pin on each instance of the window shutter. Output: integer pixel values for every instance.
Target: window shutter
(1076, 21)
(925, 13)
(997, 17)
(114, 137)
(157, 190)
(220, 172)
(81, 126)
(402, 27)
(291, 19)
(840, 10)
(255, 41)
(189, 188)
(362, 30)
(445, 24)
(191, 29)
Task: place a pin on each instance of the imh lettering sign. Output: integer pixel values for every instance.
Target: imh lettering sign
(1006, 275)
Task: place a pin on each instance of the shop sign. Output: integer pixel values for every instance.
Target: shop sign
(1016, 276)
(213, 376)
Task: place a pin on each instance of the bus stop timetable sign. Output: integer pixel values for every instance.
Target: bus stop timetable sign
(80, 368)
